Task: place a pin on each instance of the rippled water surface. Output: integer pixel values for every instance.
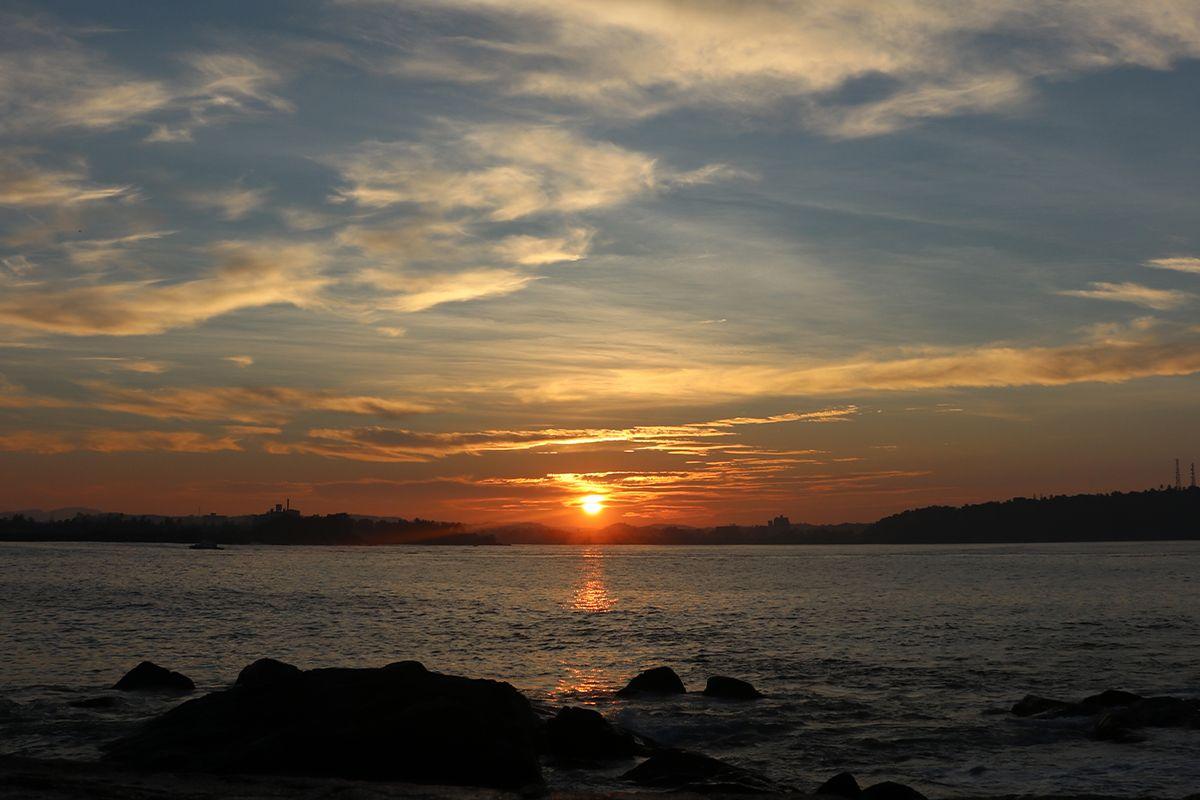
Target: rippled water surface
(881, 660)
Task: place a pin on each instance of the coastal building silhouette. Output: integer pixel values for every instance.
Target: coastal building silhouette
(284, 509)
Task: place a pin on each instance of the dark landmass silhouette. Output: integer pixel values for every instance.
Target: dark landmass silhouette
(1155, 514)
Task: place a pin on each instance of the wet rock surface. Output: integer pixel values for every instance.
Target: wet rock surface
(583, 735)
(659, 680)
(148, 676)
(730, 689)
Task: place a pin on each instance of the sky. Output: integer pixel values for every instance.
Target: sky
(674, 261)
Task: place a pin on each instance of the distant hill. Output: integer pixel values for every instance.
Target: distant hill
(1153, 514)
(1148, 515)
(52, 515)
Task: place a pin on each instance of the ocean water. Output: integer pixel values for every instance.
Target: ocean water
(882, 660)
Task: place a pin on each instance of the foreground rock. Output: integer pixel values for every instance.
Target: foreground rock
(890, 790)
(841, 785)
(148, 676)
(582, 735)
(730, 689)
(400, 722)
(660, 680)
(846, 786)
(681, 770)
(265, 672)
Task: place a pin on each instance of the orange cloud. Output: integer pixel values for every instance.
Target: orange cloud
(103, 440)
(248, 275)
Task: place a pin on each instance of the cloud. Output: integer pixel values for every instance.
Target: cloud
(537, 251)
(241, 361)
(391, 444)
(248, 275)
(413, 293)
(233, 204)
(501, 172)
(23, 183)
(52, 80)
(1177, 263)
(94, 252)
(103, 440)
(262, 404)
(139, 365)
(848, 69)
(1110, 355)
(14, 396)
(1160, 299)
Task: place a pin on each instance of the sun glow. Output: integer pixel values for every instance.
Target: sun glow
(592, 505)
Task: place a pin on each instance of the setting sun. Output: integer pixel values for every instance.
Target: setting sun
(592, 505)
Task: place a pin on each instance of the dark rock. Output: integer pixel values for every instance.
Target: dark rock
(265, 672)
(399, 723)
(681, 770)
(1109, 728)
(1033, 706)
(148, 676)
(730, 688)
(106, 701)
(1110, 698)
(660, 680)
(889, 790)
(841, 785)
(581, 734)
(1158, 712)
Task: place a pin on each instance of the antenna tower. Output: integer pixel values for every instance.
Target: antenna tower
(1178, 482)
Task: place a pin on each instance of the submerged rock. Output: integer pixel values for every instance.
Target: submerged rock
(682, 770)
(148, 676)
(890, 790)
(1110, 698)
(1148, 712)
(1109, 728)
(581, 734)
(841, 785)
(266, 671)
(730, 689)
(400, 722)
(1031, 705)
(659, 680)
(106, 701)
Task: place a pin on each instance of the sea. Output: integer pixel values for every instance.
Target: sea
(892, 662)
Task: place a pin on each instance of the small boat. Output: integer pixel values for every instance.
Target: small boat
(205, 546)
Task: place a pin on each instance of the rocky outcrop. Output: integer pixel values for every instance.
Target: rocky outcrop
(730, 689)
(890, 790)
(659, 680)
(682, 770)
(583, 735)
(148, 676)
(841, 785)
(266, 671)
(845, 785)
(399, 722)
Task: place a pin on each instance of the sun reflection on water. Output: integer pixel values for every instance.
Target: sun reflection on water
(591, 592)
